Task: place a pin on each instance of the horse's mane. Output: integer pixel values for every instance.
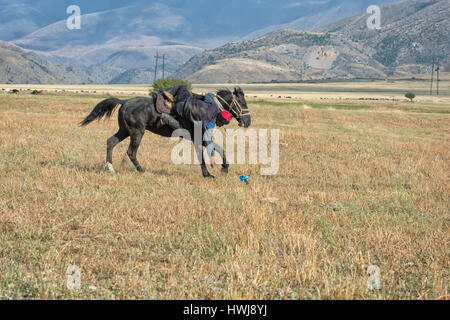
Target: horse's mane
(224, 92)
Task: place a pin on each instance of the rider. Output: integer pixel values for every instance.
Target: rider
(195, 110)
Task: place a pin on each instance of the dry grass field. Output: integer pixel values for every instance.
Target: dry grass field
(361, 182)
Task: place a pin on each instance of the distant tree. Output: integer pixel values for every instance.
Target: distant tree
(410, 96)
(164, 84)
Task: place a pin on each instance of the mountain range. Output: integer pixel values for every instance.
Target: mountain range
(254, 40)
(412, 33)
(118, 40)
(23, 66)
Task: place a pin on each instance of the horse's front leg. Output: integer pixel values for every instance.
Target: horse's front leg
(199, 151)
(221, 152)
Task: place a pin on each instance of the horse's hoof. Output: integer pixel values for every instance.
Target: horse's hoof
(225, 170)
(109, 167)
(209, 176)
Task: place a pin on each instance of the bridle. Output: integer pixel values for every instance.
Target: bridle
(234, 107)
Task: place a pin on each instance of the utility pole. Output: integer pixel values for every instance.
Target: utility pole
(301, 71)
(432, 76)
(164, 63)
(156, 66)
(437, 71)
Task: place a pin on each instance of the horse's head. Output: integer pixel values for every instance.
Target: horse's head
(236, 104)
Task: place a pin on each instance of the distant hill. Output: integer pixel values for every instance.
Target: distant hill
(22, 66)
(113, 41)
(284, 55)
(104, 62)
(412, 33)
(137, 76)
(332, 11)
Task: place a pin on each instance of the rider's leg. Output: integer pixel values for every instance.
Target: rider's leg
(170, 121)
(181, 94)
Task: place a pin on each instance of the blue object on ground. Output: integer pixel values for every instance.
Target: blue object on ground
(244, 178)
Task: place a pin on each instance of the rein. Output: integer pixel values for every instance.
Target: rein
(239, 113)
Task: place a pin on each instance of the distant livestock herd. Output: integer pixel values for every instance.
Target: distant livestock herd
(16, 91)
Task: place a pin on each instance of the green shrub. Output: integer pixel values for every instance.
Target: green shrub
(410, 96)
(164, 84)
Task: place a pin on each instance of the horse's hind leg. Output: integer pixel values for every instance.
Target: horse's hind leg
(135, 140)
(111, 143)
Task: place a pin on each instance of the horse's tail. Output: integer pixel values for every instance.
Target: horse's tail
(104, 108)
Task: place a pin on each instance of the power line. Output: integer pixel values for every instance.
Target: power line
(432, 76)
(163, 58)
(438, 71)
(156, 66)
(164, 61)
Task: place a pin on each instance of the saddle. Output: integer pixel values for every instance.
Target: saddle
(164, 102)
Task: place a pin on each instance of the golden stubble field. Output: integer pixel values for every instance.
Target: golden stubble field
(360, 183)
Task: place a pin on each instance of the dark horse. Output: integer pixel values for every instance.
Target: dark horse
(139, 114)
